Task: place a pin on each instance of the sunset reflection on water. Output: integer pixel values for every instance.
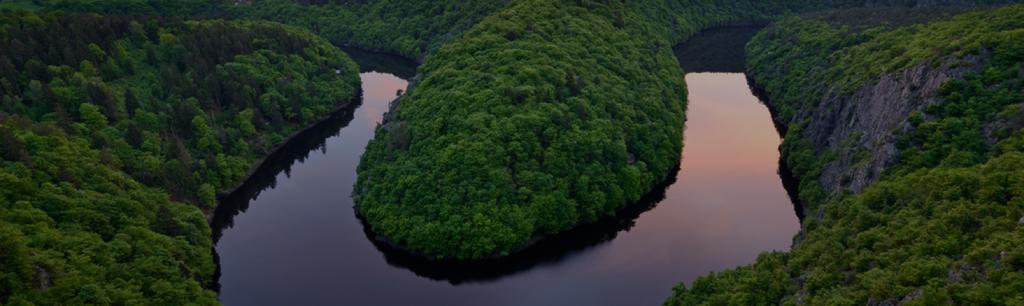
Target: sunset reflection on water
(297, 241)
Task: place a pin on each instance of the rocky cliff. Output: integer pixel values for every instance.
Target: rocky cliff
(908, 140)
(859, 129)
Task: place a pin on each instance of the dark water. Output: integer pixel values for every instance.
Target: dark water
(292, 237)
(716, 50)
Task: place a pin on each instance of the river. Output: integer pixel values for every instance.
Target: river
(291, 237)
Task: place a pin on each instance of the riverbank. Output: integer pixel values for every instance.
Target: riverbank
(340, 110)
(790, 180)
(540, 247)
(115, 146)
(480, 172)
(367, 60)
(302, 220)
(937, 222)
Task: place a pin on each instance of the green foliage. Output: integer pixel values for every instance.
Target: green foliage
(837, 52)
(531, 116)
(105, 120)
(957, 134)
(20, 4)
(950, 233)
(407, 27)
(146, 7)
(185, 103)
(561, 124)
(942, 226)
(81, 230)
(543, 116)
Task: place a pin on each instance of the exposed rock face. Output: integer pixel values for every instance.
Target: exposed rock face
(43, 277)
(862, 127)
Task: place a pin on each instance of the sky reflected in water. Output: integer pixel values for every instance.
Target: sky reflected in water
(299, 242)
(291, 236)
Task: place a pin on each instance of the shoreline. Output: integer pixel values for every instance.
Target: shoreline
(264, 162)
(630, 210)
(340, 112)
(260, 163)
(790, 181)
(385, 244)
(492, 266)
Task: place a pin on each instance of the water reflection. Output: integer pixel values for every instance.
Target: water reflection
(299, 241)
(377, 87)
(296, 151)
(728, 186)
(274, 234)
(548, 251)
(716, 50)
(398, 66)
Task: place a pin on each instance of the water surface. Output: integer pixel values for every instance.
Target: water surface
(292, 238)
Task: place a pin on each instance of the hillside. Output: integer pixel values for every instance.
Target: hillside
(411, 28)
(408, 28)
(109, 125)
(907, 137)
(527, 118)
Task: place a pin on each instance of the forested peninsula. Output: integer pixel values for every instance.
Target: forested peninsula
(544, 116)
(527, 118)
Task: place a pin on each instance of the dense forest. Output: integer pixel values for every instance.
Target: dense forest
(943, 224)
(109, 124)
(411, 28)
(541, 117)
(507, 135)
(530, 117)
(182, 8)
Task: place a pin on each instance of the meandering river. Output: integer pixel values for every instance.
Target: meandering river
(291, 237)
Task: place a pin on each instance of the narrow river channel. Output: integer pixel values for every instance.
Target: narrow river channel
(291, 237)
